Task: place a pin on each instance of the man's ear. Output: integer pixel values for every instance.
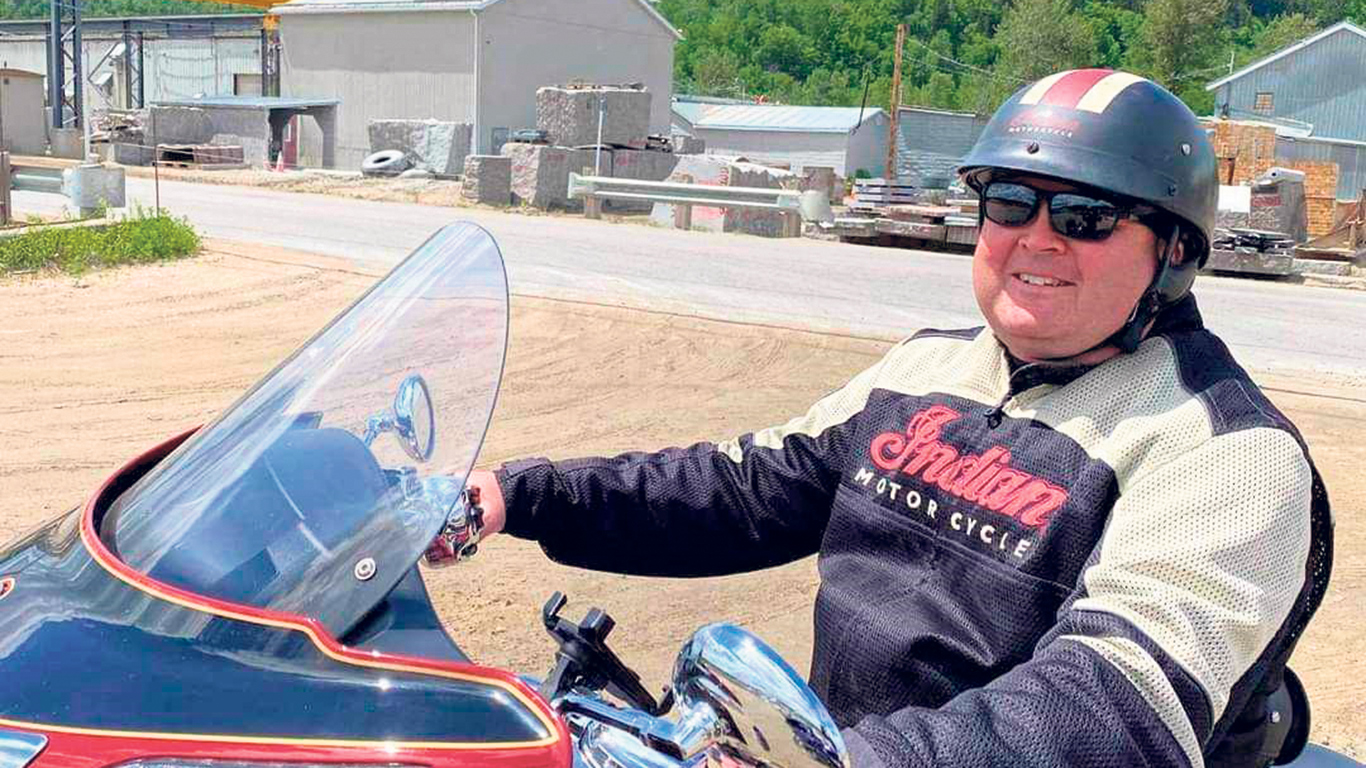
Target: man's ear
(1179, 254)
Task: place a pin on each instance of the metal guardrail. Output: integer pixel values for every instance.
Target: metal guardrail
(812, 205)
(89, 186)
(31, 178)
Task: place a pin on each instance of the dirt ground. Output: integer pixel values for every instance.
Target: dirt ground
(96, 369)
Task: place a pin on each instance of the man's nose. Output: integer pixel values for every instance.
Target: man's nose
(1039, 235)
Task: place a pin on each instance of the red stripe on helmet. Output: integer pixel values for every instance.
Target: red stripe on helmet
(1070, 89)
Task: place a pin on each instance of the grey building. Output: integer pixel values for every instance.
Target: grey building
(1319, 83)
(932, 142)
(469, 61)
(844, 138)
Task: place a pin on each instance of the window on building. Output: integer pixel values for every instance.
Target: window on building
(1264, 104)
(246, 84)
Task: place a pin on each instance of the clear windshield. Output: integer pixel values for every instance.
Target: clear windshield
(320, 488)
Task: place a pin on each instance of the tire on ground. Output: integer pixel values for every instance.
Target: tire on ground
(388, 162)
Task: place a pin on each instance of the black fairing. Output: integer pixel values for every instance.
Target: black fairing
(81, 648)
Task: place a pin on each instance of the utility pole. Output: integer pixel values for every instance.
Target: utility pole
(896, 103)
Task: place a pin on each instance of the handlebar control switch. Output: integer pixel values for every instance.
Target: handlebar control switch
(459, 537)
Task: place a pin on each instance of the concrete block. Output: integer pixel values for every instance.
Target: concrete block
(90, 186)
(824, 179)
(540, 174)
(245, 128)
(638, 164)
(67, 142)
(727, 171)
(1322, 267)
(570, 116)
(753, 221)
(688, 145)
(487, 179)
(131, 154)
(179, 125)
(437, 146)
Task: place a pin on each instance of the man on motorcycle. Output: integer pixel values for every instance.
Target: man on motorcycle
(1078, 536)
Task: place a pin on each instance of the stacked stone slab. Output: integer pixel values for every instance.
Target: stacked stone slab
(569, 116)
(487, 179)
(688, 145)
(757, 221)
(734, 172)
(180, 125)
(637, 164)
(433, 145)
(824, 179)
(540, 174)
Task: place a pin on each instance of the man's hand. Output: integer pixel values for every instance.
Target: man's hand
(491, 499)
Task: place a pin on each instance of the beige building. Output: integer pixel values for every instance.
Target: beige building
(469, 61)
(23, 121)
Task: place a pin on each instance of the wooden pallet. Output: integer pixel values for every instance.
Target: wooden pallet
(202, 166)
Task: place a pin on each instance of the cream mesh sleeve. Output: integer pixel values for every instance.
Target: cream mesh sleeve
(1205, 557)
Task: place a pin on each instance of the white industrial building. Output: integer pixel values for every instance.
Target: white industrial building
(468, 61)
(848, 139)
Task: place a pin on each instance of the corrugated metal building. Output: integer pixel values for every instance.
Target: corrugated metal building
(1320, 80)
(932, 142)
(470, 61)
(173, 67)
(798, 136)
(1349, 155)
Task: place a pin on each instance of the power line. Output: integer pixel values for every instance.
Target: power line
(979, 70)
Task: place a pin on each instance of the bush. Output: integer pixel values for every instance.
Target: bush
(142, 238)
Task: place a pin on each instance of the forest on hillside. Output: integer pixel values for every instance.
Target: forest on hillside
(959, 54)
(971, 54)
(39, 9)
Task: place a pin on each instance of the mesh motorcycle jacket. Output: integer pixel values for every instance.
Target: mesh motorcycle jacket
(1020, 565)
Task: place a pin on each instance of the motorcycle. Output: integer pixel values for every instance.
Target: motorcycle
(248, 594)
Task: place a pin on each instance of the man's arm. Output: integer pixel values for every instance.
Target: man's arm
(709, 509)
(1194, 581)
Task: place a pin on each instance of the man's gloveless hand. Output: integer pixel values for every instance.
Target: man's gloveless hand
(491, 499)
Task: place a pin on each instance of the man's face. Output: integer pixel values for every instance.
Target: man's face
(1092, 285)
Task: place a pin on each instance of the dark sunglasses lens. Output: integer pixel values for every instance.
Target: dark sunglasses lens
(1010, 205)
(1082, 218)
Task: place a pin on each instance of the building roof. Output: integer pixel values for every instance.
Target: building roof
(248, 102)
(393, 6)
(1282, 53)
(12, 72)
(945, 112)
(769, 117)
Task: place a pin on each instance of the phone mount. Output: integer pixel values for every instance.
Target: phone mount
(583, 660)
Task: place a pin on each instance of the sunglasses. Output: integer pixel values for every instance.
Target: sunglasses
(1077, 215)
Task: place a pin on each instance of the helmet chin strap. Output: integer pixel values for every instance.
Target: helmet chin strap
(1130, 335)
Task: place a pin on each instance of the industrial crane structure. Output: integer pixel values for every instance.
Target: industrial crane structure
(66, 86)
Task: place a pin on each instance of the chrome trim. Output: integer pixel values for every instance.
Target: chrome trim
(735, 692)
(19, 748)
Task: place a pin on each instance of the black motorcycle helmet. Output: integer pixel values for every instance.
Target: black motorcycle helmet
(1122, 134)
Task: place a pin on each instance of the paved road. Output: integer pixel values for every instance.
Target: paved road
(800, 283)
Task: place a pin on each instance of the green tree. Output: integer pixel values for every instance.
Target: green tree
(784, 49)
(1116, 28)
(1281, 32)
(1040, 37)
(1182, 39)
(717, 73)
(39, 9)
